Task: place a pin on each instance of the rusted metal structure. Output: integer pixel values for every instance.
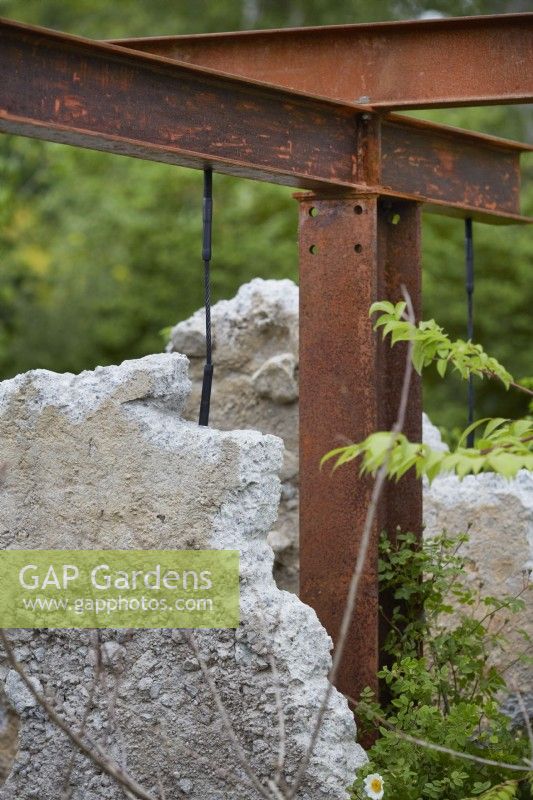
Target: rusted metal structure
(390, 65)
(310, 108)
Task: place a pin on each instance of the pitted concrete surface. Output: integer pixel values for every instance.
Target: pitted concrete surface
(105, 460)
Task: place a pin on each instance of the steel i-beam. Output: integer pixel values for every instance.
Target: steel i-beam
(353, 250)
(409, 64)
(72, 90)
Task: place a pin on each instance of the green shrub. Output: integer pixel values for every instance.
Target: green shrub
(441, 684)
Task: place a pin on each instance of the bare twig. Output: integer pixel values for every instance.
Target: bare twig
(223, 773)
(277, 794)
(519, 387)
(510, 664)
(162, 793)
(114, 727)
(281, 720)
(98, 758)
(442, 749)
(379, 483)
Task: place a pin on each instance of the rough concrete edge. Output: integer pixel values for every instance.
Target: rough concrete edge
(161, 378)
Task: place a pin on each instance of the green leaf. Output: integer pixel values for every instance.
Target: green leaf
(418, 357)
(495, 422)
(506, 464)
(382, 305)
(331, 454)
(399, 308)
(442, 366)
(471, 428)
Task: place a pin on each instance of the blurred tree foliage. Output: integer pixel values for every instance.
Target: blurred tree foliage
(98, 252)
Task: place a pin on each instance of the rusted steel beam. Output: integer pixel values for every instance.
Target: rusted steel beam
(415, 64)
(351, 254)
(76, 91)
(454, 171)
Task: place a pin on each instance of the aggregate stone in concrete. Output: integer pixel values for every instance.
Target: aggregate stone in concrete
(105, 460)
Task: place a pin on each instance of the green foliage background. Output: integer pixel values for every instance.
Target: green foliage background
(99, 252)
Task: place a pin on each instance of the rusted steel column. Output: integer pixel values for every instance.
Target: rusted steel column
(353, 251)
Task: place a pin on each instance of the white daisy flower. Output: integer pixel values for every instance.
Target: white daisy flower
(374, 786)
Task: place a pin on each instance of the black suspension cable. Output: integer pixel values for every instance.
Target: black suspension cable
(207, 215)
(469, 283)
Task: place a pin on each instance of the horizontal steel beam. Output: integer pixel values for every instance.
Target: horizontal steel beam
(421, 64)
(66, 89)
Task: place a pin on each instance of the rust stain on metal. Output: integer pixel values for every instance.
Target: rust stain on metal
(105, 97)
(455, 172)
(399, 248)
(129, 105)
(408, 64)
(351, 254)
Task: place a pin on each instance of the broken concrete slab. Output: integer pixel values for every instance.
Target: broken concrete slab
(104, 460)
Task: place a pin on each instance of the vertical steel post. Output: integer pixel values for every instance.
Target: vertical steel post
(353, 250)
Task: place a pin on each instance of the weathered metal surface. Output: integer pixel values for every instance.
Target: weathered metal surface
(351, 253)
(80, 92)
(414, 64)
(449, 169)
(76, 91)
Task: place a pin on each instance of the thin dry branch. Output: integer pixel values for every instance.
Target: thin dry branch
(95, 636)
(114, 726)
(161, 788)
(98, 758)
(280, 712)
(223, 773)
(281, 720)
(519, 387)
(527, 720)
